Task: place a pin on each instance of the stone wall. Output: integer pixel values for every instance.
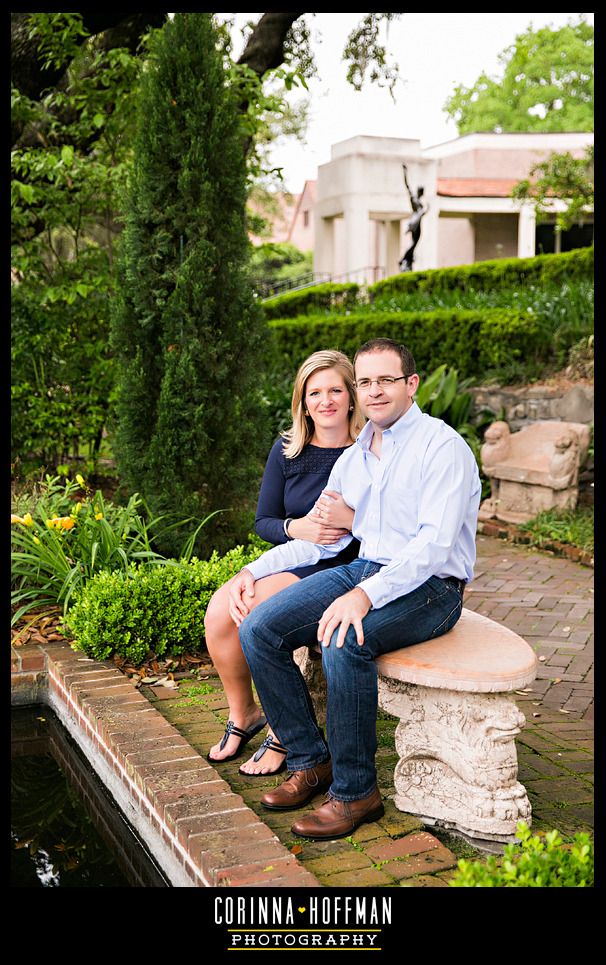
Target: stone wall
(521, 405)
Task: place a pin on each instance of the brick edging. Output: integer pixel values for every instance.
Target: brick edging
(509, 531)
(199, 831)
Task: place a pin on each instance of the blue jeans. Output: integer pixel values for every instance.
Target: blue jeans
(289, 620)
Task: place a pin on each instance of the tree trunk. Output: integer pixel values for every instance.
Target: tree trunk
(265, 47)
(30, 77)
(264, 51)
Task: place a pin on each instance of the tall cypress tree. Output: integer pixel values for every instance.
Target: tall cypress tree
(186, 332)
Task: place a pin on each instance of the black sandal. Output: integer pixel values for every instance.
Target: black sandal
(244, 735)
(269, 744)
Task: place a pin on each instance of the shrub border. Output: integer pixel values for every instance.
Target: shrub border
(493, 273)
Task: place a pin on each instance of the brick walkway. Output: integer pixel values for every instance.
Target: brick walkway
(548, 601)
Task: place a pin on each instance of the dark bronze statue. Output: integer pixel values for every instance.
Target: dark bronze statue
(414, 223)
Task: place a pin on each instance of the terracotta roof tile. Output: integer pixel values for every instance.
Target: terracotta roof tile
(476, 187)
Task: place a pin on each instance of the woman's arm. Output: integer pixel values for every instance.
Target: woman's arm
(271, 511)
(269, 519)
(332, 510)
(328, 520)
(314, 530)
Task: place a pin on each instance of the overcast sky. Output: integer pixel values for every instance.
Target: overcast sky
(435, 51)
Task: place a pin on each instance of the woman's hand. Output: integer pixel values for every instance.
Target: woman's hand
(332, 510)
(314, 530)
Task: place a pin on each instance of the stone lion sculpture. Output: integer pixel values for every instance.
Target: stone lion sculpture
(564, 465)
(497, 444)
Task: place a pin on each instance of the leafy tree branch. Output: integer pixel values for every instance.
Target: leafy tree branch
(546, 85)
(565, 178)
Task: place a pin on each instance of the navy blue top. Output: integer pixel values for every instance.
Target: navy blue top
(289, 489)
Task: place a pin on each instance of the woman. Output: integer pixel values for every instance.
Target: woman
(326, 420)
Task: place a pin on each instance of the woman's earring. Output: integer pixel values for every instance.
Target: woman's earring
(306, 412)
(351, 408)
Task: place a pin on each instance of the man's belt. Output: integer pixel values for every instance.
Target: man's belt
(454, 581)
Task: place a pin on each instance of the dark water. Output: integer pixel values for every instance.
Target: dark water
(66, 831)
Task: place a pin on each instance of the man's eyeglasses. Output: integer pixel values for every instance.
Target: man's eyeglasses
(384, 382)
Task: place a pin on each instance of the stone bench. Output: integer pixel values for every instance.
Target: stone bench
(458, 763)
(532, 470)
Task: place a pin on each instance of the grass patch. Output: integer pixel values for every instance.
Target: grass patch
(386, 733)
(199, 690)
(460, 847)
(571, 526)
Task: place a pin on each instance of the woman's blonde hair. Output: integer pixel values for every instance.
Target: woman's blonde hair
(302, 429)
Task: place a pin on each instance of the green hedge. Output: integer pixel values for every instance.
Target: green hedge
(151, 610)
(319, 298)
(486, 275)
(472, 341)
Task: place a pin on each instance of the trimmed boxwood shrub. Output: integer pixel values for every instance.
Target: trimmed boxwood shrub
(497, 273)
(157, 610)
(326, 297)
(473, 341)
(537, 861)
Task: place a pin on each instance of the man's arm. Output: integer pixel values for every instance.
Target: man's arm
(347, 609)
(449, 492)
(295, 553)
(301, 552)
(452, 483)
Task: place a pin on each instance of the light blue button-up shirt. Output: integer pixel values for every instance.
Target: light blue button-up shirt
(416, 508)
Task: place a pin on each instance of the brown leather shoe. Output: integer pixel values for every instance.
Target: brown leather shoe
(336, 819)
(299, 788)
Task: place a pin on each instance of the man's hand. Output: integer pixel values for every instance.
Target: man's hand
(240, 586)
(346, 610)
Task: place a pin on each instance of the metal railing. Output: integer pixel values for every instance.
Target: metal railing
(364, 276)
(305, 280)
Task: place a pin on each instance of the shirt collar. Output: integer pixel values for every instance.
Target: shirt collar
(399, 429)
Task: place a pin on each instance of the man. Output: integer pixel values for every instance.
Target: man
(415, 488)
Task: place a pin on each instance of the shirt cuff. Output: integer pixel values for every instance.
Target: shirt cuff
(376, 590)
(258, 568)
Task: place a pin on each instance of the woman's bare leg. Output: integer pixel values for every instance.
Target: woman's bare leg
(224, 647)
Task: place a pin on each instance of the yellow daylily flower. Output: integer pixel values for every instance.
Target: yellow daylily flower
(36, 540)
(24, 520)
(67, 522)
(80, 480)
(98, 515)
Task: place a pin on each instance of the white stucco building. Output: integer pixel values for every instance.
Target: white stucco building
(361, 206)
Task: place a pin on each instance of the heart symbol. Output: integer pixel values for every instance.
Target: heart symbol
(301, 910)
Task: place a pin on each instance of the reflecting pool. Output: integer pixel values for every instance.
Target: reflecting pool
(66, 830)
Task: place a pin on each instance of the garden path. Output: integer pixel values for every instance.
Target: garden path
(548, 601)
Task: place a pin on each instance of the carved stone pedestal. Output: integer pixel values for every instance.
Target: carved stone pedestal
(458, 765)
(310, 665)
